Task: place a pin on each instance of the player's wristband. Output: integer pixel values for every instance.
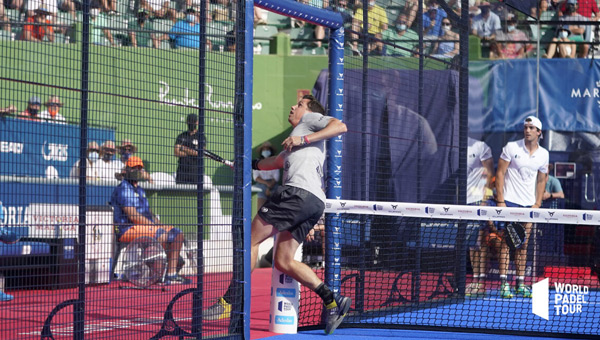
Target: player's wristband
(306, 141)
(255, 164)
(500, 202)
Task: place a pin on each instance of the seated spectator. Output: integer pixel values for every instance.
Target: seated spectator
(100, 36)
(266, 180)
(40, 31)
(126, 150)
(108, 166)
(546, 13)
(50, 5)
(190, 26)
(220, 11)
(4, 18)
(51, 114)
(377, 19)
(589, 9)
(506, 47)
(69, 6)
(486, 24)
(159, 8)
(341, 6)
(553, 188)
(13, 4)
(561, 46)
(579, 33)
(133, 218)
(446, 49)
(109, 7)
(92, 165)
(318, 31)
(137, 36)
(432, 19)
(401, 36)
(33, 109)
(9, 110)
(260, 16)
(456, 5)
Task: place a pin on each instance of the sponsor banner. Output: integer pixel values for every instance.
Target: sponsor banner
(463, 212)
(38, 149)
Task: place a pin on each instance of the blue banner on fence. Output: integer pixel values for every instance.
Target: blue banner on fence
(503, 93)
(29, 148)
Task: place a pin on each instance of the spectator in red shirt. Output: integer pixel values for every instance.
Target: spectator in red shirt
(38, 32)
(586, 8)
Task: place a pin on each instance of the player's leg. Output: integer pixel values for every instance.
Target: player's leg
(520, 263)
(286, 247)
(172, 241)
(503, 262)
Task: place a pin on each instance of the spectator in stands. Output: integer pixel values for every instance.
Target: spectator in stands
(377, 22)
(447, 45)
(13, 4)
(220, 11)
(91, 163)
(100, 36)
(126, 150)
(9, 110)
(411, 8)
(109, 7)
(506, 46)
(520, 181)
(70, 7)
(473, 6)
(561, 46)
(480, 170)
(187, 145)
(260, 16)
(133, 218)
(108, 166)
(33, 109)
(486, 24)
(159, 8)
(51, 114)
(432, 19)
(553, 188)
(579, 33)
(341, 6)
(190, 26)
(318, 31)
(266, 180)
(139, 30)
(40, 31)
(230, 41)
(401, 36)
(589, 9)
(4, 18)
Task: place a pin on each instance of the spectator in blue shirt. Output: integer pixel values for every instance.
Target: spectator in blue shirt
(189, 25)
(432, 19)
(553, 188)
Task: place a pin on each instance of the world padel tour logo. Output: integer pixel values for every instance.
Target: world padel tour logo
(569, 299)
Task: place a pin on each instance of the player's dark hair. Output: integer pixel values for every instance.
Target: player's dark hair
(314, 105)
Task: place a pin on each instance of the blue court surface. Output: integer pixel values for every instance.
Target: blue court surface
(491, 312)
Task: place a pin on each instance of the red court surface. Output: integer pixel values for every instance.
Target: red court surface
(123, 313)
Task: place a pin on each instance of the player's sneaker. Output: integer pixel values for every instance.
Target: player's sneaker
(475, 289)
(220, 310)
(523, 291)
(5, 297)
(505, 291)
(336, 311)
(177, 279)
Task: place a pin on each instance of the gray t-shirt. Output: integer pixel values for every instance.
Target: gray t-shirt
(303, 166)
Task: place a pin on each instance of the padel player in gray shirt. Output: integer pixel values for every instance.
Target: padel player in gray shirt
(296, 206)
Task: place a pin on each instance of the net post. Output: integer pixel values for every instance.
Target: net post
(334, 160)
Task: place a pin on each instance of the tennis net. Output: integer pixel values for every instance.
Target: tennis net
(409, 265)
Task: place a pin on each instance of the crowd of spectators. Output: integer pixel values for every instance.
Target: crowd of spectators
(393, 25)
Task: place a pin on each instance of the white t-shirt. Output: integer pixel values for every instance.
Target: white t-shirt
(50, 5)
(91, 169)
(59, 119)
(266, 174)
(107, 170)
(521, 175)
(477, 152)
(156, 4)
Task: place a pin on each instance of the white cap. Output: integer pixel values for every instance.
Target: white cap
(533, 120)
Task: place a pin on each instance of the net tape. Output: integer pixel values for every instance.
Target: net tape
(464, 212)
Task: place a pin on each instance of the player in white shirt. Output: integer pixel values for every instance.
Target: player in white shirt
(520, 182)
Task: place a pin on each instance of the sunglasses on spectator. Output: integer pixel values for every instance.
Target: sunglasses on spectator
(53, 104)
(446, 24)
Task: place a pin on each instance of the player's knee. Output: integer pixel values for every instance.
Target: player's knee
(175, 235)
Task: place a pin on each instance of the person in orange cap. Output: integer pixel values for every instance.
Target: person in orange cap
(133, 218)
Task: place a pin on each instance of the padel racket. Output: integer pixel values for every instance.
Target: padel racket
(217, 158)
(514, 235)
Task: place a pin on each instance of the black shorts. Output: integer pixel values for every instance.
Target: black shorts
(293, 209)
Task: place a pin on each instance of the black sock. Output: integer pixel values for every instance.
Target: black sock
(325, 293)
(518, 282)
(503, 279)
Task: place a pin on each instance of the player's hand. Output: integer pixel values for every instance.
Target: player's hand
(291, 141)
(311, 235)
